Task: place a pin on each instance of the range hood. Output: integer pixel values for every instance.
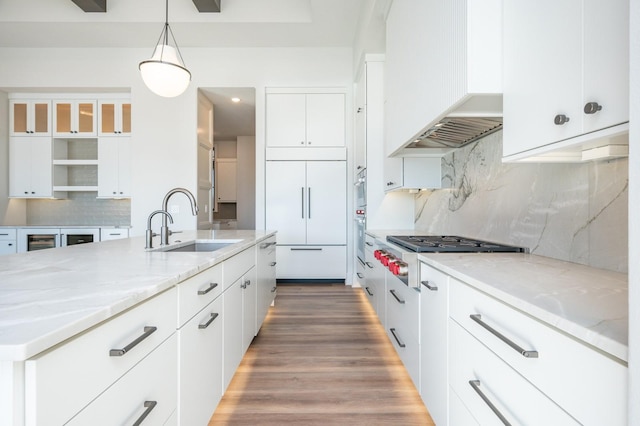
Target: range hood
(472, 119)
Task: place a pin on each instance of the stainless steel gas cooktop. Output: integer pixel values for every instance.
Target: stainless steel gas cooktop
(449, 243)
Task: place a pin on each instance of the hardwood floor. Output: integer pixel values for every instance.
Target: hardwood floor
(321, 358)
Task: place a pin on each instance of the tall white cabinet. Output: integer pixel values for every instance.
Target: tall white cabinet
(306, 181)
(306, 204)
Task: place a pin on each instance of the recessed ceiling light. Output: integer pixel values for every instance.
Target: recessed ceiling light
(236, 100)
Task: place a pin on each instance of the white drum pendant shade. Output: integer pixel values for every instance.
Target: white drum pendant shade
(165, 74)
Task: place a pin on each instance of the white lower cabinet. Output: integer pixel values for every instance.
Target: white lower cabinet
(8, 241)
(90, 363)
(146, 395)
(403, 313)
(323, 262)
(493, 392)
(576, 377)
(249, 288)
(266, 277)
(232, 343)
(434, 312)
(200, 365)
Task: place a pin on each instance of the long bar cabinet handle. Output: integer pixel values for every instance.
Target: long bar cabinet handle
(368, 291)
(272, 264)
(359, 275)
(369, 244)
(429, 286)
(149, 405)
(208, 289)
(369, 264)
(475, 384)
(211, 319)
(148, 331)
(395, 336)
(393, 293)
(525, 353)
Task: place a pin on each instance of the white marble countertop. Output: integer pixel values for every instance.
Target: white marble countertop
(587, 303)
(50, 295)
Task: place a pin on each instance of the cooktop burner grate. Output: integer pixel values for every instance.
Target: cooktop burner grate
(449, 243)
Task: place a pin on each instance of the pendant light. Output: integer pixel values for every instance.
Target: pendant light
(165, 73)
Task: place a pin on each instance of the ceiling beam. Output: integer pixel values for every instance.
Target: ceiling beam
(92, 5)
(207, 5)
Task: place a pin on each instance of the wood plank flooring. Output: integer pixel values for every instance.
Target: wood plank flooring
(321, 358)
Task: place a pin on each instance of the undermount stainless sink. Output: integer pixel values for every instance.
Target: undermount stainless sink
(197, 246)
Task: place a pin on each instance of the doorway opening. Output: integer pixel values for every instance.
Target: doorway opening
(226, 157)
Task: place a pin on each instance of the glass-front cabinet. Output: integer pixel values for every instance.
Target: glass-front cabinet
(30, 117)
(74, 118)
(115, 117)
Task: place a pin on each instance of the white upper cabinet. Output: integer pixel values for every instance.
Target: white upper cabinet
(442, 58)
(30, 117)
(115, 117)
(30, 169)
(305, 120)
(74, 118)
(566, 79)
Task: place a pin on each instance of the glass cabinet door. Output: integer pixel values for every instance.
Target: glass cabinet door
(63, 117)
(41, 117)
(115, 118)
(75, 118)
(29, 117)
(85, 117)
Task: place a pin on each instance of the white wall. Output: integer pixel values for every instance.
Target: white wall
(164, 130)
(634, 225)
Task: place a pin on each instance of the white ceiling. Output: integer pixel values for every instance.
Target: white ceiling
(137, 23)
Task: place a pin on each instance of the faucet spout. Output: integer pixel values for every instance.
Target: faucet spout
(149, 233)
(164, 230)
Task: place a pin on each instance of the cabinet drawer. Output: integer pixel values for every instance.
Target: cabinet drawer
(83, 365)
(198, 291)
(150, 387)
(407, 347)
(237, 265)
(576, 377)
(107, 234)
(512, 396)
(312, 262)
(403, 306)
(8, 234)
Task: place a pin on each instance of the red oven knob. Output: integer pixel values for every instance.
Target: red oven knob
(377, 254)
(402, 269)
(384, 259)
(393, 267)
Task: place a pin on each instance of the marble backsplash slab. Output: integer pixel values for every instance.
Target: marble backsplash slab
(574, 212)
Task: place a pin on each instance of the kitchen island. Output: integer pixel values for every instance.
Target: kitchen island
(52, 299)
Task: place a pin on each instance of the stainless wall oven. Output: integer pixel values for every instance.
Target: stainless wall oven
(361, 213)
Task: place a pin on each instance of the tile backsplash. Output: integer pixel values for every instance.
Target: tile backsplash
(80, 208)
(574, 212)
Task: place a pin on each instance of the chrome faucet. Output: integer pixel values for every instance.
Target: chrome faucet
(149, 234)
(164, 230)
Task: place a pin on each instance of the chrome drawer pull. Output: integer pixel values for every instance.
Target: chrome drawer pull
(368, 291)
(273, 290)
(429, 286)
(209, 321)
(149, 405)
(395, 336)
(272, 264)
(208, 289)
(527, 354)
(369, 244)
(393, 293)
(148, 331)
(359, 275)
(306, 249)
(475, 384)
(369, 264)
(266, 245)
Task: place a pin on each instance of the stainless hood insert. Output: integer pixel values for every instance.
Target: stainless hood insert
(455, 132)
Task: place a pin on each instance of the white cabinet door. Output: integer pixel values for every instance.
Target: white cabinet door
(226, 180)
(606, 62)
(114, 117)
(326, 202)
(285, 200)
(8, 247)
(30, 117)
(542, 72)
(74, 118)
(30, 169)
(286, 120)
(266, 276)
(305, 120)
(360, 142)
(325, 119)
(434, 382)
(114, 167)
(249, 287)
(232, 347)
(200, 379)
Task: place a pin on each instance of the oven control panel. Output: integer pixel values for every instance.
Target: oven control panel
(392, 262)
